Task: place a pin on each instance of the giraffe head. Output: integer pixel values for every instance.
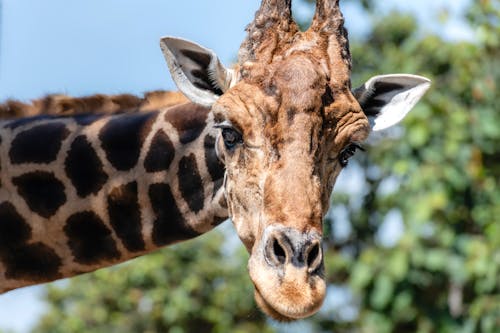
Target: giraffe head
(288, 123)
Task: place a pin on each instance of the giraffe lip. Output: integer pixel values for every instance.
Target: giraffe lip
(288, 295)
(269, 309)
(282, 313)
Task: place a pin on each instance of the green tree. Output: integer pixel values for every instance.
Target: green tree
(190, 287)
(443, 275)
(439, 173)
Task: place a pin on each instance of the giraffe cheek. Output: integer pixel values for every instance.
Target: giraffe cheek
(243, 213)
(245, 233)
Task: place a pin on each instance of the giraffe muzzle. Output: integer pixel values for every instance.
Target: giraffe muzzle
(287, 270)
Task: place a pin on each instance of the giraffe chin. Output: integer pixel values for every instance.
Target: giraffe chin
(292, 296)
(279, 316)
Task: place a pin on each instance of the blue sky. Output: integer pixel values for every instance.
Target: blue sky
(111, 46)
(107, 46)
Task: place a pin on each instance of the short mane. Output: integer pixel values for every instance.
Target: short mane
(58, 104)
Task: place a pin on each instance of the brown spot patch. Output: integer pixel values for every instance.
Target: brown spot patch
(33, 262)
(161, 153)
(125, 216)
(170, 225)
(84, 168)
(190, 183)
(42, 191)
(89, 239)
(215, 167)
(189, 120)
(122, 138)
(14, 231)
(40, 144)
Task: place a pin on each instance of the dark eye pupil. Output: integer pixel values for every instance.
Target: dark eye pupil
(231, 137)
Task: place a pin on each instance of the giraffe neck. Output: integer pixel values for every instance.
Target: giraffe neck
(88, 191)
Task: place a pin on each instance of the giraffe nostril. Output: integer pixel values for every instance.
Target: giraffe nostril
(276, 251)
(313, 257)
(279, 252)
(288, 247)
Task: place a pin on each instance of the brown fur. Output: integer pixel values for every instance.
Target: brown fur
(66, 105)
(293, 106)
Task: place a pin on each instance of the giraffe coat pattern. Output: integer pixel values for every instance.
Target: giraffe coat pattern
(111, 186)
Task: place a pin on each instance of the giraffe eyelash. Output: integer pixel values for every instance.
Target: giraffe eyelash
(231, 136)
(224, 124)
(348, 152)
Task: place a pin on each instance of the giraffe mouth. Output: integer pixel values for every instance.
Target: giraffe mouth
(269, 310)
(287, 274)
(291, 298)
(283, 314)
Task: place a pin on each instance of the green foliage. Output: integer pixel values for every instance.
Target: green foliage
(191, 287)
(442, 275)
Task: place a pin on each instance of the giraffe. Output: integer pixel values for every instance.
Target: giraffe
(261, 143)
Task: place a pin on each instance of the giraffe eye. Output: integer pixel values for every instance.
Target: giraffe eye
(231, 137)
(348, 152)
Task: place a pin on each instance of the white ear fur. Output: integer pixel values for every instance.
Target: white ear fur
(387, 99)
(197, 71)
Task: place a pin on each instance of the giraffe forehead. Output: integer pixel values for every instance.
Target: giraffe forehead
(291, 102)
(299, 71)
(287, 75)
(269, 91)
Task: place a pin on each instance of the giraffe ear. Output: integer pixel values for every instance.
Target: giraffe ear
(387, 99)
(197, 71)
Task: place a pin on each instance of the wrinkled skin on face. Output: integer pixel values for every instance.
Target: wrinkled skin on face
(293, 125)
(288, 124)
